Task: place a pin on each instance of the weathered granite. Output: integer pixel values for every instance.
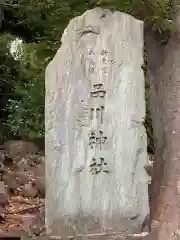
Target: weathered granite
(95, 83)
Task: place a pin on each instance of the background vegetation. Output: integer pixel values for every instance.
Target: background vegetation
(40, 25)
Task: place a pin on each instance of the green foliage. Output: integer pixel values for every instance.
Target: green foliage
(8, 66)
(45, 21)
(26, 105)
(8, 75)
(40, 24)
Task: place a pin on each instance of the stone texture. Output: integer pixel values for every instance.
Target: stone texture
(3, 195)
(95, 83)
(38, 225)
(40, 186)
(2, 156)
(20, 148)
(29, 190)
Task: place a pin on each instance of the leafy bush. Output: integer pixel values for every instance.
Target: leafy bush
(8, 75)
(26, 105)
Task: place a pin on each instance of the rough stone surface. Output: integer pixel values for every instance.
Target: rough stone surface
(40, 186)
(3, 195)
(20, 148)
(29, 190)
(95, 84)
(2, 156)
(38, 227)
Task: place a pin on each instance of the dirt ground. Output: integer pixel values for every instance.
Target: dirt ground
(22, 193)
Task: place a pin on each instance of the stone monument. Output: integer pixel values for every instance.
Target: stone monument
(96, 143)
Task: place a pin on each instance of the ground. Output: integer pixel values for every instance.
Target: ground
(22, 193)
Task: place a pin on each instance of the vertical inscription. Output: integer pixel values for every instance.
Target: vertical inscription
(97, 139)
(98, 91)
(92, 66)
(98, 112)
(97, 167)
(104, 54)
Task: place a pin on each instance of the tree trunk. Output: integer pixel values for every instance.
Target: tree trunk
(164, 80)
